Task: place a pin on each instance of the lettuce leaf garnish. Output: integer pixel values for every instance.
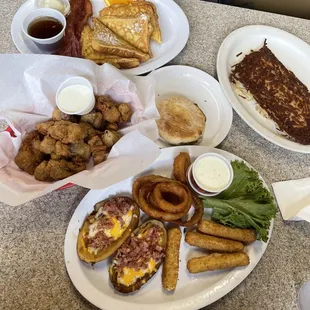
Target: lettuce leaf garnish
(245, 204)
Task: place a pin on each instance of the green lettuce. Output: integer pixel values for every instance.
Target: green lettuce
(245, 204)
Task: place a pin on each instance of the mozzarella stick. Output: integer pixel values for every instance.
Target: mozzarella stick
(211, 228)
(216, 261)
(213, 243)
(171, 263)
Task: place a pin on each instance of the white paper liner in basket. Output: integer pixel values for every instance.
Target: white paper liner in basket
(28, 84)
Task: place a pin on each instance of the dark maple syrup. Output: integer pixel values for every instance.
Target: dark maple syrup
(45, 28)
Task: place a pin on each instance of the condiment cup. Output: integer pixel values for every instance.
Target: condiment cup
(78, 80)
(204, 188)
(52, 44)
(194, 186)
(63, 6)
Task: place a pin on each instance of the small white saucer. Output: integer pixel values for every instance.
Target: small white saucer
(22, 43)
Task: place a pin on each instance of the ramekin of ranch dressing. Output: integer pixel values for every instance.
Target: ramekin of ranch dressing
(75, 96)
(212, 172)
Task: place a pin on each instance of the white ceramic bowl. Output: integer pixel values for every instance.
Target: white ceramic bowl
(50, 44)
(77, 80)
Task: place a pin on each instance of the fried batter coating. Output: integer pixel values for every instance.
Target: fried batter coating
(94, 118)
(110, 137)
(42, 173)
(108, 109)
(43, 127)
(58, 116)
(79, 149)
(28, 156)
(89, 129)
(112, 126)
(47, 146)
(98, 149)
(125, 110)
(53, 170)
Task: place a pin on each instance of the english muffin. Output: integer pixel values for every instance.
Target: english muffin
(181, 121)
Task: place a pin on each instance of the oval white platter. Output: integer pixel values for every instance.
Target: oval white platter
(290, 50)
(173, 23)
(193, 291)
(202, 89)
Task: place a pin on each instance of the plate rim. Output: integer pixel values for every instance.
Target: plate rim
(230, 95)
(228, 113)
(201, 299)
(182, 38)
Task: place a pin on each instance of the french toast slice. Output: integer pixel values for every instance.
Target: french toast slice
(89, 53)
(133, 9)
(106, 41)
(135, 30)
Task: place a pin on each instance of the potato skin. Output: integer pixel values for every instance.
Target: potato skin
(141, 281)
(82, 251)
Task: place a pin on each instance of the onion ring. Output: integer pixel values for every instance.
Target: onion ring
(156, 197)
(180, 165)
(139, 182)
(197, 216)
(152, 211)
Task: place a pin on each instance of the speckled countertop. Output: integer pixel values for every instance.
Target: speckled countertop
(32, 269)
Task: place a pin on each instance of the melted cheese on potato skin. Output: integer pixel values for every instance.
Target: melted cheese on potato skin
(131, 275)
(115, 232)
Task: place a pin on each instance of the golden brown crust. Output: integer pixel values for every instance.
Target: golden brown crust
(181, 121)
(213, 243)
(171, 264)
(211, 228)
(217, 261)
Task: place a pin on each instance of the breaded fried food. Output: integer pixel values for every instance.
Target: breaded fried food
(108, 108)
(214, 229)
(110, 137)
(79, 149)
(59, 115)
(28, 156)
(42, 172)
(100, 58)
(171, 263)
(98, 149)
(111, 126)
(213, 243)
(65, 131)
(180, 166)
(93, 118)
(61, 169)
(217, 261)
(107, 42)
(47, 145)
(44, 127)
(125, 111)
(135, 30)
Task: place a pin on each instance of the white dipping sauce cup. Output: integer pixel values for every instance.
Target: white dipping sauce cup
(78, 80)
(52, 44)
(194, 182)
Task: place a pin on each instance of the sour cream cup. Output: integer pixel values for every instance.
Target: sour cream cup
(75, 96)
(63, 6)
(50, 45)
(210, 174)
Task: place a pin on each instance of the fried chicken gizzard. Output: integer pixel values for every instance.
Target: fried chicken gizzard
(62, 146)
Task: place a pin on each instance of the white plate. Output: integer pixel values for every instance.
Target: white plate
(173, 24)
(201, 88)
(193, 291)
(290, 50)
